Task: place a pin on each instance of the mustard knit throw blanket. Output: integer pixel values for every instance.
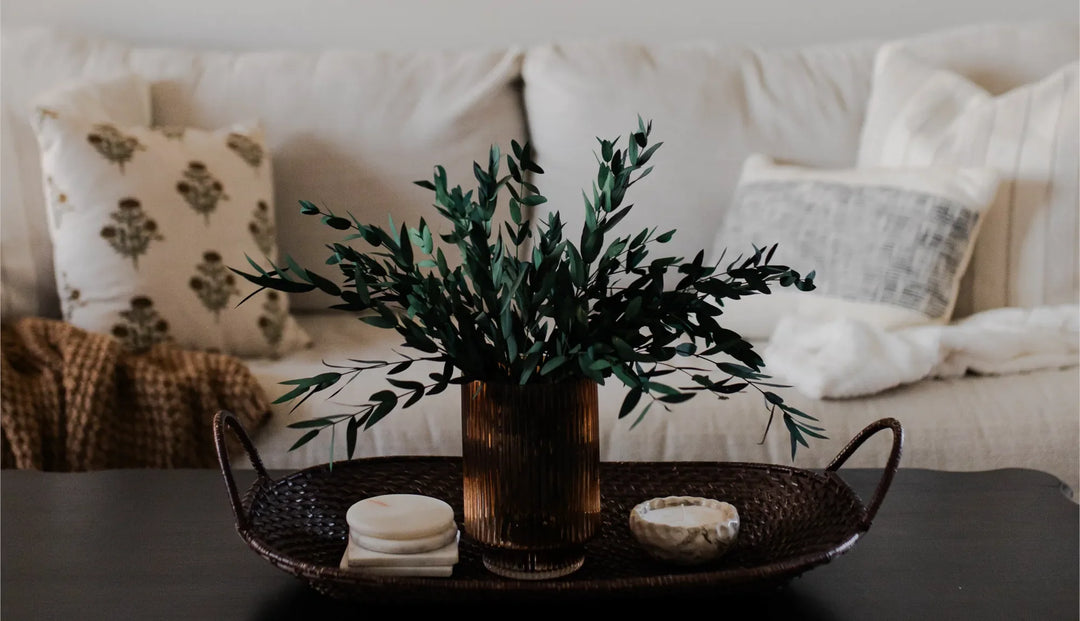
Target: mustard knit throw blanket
(73, 400)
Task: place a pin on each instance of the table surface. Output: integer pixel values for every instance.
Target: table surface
(161, 544)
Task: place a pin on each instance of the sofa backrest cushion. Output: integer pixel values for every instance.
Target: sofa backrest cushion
(714, 106)
(347, 130)
(928, 111)
(711, 106)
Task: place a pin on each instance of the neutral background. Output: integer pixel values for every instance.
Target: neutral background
(409, 24)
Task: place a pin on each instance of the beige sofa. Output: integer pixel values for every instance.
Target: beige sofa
(354, 129)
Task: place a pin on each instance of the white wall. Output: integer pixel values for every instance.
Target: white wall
(396, 24)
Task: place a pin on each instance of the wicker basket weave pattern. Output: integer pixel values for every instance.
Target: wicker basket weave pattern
(791, 521)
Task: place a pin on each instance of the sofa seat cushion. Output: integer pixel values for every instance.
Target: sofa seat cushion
(972, 423)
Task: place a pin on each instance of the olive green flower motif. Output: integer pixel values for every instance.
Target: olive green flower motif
(58, 202)
(172, 132)
(272, 321)
(113, 145)
(200, 189)
(131, 231)
(262, 228)
(213, 283)
(248, 150)
(142, 327)
(71, 299)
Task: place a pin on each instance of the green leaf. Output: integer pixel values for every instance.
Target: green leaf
(663, 389)
(337, 222)
(515, 211)
(316, 380)
(406, 384)
(552, 364)
(622, 349)
(405, 258)
(379, 321)
(606, 149)
(738, 370)
(278, 284)
(304, 439)
(796, 436)
(323, 283)
(387, 401)
(515, 172)
(416, 396)
(292, 394)
(630, 402)
(308, 209)
(796, 412)
(679, 398)
(400, 367)
(647, 154)
(314, 422)
(686, 349)
(641, 416)
(350, 436)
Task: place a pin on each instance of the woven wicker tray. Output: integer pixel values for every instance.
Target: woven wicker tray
(791, 521)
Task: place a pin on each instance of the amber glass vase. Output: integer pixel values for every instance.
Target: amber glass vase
(531, 474)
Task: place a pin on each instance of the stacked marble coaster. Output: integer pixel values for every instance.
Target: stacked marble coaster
(401, 535)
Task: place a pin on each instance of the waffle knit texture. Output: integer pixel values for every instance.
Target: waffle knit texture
(72, 400)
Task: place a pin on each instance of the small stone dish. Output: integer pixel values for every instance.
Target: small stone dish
(685, 530)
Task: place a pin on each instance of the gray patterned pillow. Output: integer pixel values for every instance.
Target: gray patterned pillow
(145, 223)
(889, 246)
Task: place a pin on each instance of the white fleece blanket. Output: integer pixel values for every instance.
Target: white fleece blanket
(839, 358)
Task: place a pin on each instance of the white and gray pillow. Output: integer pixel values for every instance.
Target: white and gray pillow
(888, 246)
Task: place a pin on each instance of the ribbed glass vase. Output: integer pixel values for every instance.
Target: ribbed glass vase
(531, 470)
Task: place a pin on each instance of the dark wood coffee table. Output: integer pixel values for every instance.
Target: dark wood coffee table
(155, 545)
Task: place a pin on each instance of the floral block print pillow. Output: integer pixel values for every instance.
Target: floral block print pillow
(146, 224)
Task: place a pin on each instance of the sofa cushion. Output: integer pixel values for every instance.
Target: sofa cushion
(29, 287)
(922, 115)
(348, 130)
(714, 105)
(146, 222)
(888, 245)
(711, 105)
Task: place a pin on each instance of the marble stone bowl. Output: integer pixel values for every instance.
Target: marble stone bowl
(685, 530)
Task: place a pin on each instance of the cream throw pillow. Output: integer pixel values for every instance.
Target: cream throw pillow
(888, 246)
(919, 115)
(145, 223)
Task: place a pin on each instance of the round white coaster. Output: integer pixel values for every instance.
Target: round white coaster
(400, 516)
(407, 546)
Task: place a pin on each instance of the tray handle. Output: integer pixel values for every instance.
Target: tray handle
(890, 466)
(222, 420)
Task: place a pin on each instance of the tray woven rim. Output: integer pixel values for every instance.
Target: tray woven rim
(336, 582)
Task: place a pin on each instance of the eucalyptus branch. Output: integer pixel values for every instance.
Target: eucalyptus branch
(531, 302)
